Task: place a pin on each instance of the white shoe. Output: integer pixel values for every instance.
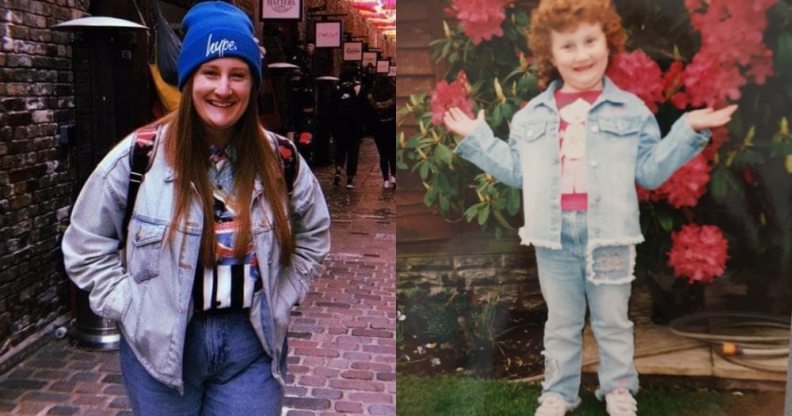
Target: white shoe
(393, 181)
(552, 404)
(386, 184)
(620, 402)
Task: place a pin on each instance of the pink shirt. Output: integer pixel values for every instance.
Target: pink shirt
(573, 108)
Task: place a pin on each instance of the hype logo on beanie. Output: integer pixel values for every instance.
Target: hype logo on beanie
(214, 30)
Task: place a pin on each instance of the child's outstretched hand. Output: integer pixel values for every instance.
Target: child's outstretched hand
(707, 118)
(460, 123)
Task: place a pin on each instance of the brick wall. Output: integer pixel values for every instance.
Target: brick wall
(510, 276)
(36, 186)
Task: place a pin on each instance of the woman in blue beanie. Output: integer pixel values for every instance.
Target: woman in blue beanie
(229, 228)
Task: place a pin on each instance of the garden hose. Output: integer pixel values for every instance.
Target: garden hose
(742, 338)
(746, 348)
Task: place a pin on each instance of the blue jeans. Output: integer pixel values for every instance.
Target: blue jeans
(226, 372)
(562, 277)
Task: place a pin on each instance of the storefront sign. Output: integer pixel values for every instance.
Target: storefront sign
(383, 67)
(328, 34)
(353, 51)
(369, 58)
(281, 9)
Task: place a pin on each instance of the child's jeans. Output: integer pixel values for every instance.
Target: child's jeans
(566, 292)
(226, 372)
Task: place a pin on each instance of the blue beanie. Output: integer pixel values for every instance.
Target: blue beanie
(217, 30)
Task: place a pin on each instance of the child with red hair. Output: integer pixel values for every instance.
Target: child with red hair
(577, 150)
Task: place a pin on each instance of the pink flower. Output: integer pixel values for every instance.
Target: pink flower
(647, 195)
(679, 100)
(698, 253)
(685, 187)
(731, 49)
(761, 67)
(710, 83)
(481, 19)
(636, 72)
(672, 82)
(451, 95)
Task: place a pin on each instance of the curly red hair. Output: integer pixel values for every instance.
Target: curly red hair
(564, 16)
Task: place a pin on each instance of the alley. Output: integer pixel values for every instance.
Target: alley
(342, 343)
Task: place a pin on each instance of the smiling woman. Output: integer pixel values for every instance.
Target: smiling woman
(220, 247)
(221, 92)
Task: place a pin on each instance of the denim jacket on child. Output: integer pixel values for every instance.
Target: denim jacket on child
(151, 298)
(623, 147)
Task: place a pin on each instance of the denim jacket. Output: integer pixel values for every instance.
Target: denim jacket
(151, 298)
(623, 147)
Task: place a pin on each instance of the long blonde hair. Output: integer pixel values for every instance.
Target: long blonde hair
(188, 153)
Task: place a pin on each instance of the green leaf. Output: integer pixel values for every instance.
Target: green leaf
(440, 182)
(781, 148)
(723, 181)
(442, 202)
(665, 220)
(414, 142)
(443, 153)
(508, 110)
(748, 157)
(483, 214)
(527, 86)
(437, 42)
(719, 183)
(783, 61)
(423, 170)
(521, 18)
(513, 198)
(430, 196)
(472, 211)
(497, 118)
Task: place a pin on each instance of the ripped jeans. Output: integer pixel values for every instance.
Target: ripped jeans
(562, 277)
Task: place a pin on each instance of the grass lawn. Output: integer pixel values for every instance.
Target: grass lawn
(459, 396)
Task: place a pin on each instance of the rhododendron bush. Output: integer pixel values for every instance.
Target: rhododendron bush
(728, 212)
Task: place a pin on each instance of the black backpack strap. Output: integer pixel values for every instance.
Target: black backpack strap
(140, 157)
(287, 153)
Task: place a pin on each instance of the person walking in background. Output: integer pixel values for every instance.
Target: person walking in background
(347, 122)
(222, 240)
(577, 150)
(381, 118)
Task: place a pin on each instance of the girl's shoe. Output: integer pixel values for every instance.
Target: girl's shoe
(620, 402)
(386, 184)
(552, 404)
(393, 181)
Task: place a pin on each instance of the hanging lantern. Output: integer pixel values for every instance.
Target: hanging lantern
(389, 4)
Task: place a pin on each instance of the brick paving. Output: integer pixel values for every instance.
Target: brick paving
(342, 340)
